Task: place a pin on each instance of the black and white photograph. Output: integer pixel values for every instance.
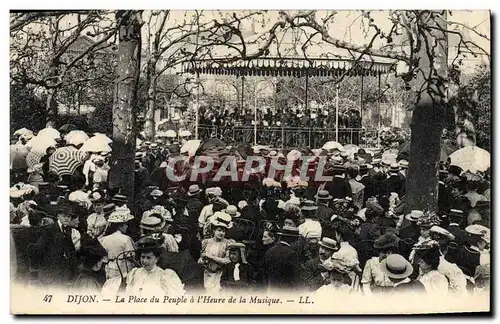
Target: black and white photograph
(250, 161)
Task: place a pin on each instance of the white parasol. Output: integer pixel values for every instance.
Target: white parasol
(190, 147)
(49, 132)
(170, 133)
(24, 132)
(332, 145)
(471, 158)
(185, 133)
(104, 137)
(96, 144)
(76, 137)
(40, 143)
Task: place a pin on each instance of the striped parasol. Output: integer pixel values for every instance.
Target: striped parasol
(66, 160)
(33, 158)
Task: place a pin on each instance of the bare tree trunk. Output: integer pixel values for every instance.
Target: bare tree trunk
(51, 106)
(149, 125)
(428, 116)
(125, 103)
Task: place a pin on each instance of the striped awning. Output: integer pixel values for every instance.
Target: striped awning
(288, 67)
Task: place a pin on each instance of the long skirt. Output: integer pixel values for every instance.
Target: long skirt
(211, 281)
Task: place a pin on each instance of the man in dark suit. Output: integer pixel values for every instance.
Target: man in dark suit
(409, 235)
(324, 213)
(55, 250)
(395, 181)
(456, 226)
(367, 181)
(339, 186)
(312, 269)
(281, 262)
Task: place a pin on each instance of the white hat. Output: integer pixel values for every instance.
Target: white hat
(221, 219)
(120, 215)
(441, 231)
(414, 215)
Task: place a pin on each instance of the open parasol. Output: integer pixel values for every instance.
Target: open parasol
(190, 147)
(49, 132)
(65, 160)
(76, 137)
(33, 158)
(332, 145)
(96, 144)
(471, 158)
(184, 133)
(41, 143)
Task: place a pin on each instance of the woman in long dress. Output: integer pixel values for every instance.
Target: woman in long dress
(427, 256)
(116, 243)
(151, 280)
(214, 253)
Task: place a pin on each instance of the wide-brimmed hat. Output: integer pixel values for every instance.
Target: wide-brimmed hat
(394, 167)
(235, 246)
(289, 231)
(156, 193)
(323, 195)
(479, 231)
(442, 232)
(120, 199)
(404, 164)
(308, 205)
(160, 211)
(120, 215)
(396, 266)
(365, 167)
(329, 244)
(96, 196)
(428, 219)
(109, 208)
(456, 213)
(151, 223)
(414, 215)
(386, 241)
(232, 211)
(221, 219)
(194, 190)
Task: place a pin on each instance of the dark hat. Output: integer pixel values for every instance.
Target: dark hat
(365, 167)
(443, 173)
(43, 185)
(329, 244)
(323, 195)
(63, 188)
(150, 242)
(385, 241)
(456, 213)
(120, 199)
(396, 266)
(93, 249)
(338, 168)
(289, 231)
(109, 208)
(483, 204)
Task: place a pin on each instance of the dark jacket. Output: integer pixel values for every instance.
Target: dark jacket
(310, 274)
(227, 279)
(460, 235)
(56, 254)
(339, 188)
(324, 213)
(468, 260)
(395, 184)
(281, 266)
(87, 281)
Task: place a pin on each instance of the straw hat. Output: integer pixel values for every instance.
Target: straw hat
(221, 219)
(396, 266)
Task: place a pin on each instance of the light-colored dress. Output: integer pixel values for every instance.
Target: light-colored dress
(435, 283)
(213, 270)
(157, 282)
(115, 244)
(455, 276)
(374, 276)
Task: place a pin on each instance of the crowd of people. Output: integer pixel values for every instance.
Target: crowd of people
(350, 234)
(225, 124)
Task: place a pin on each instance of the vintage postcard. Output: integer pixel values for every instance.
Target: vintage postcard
(250, 161)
